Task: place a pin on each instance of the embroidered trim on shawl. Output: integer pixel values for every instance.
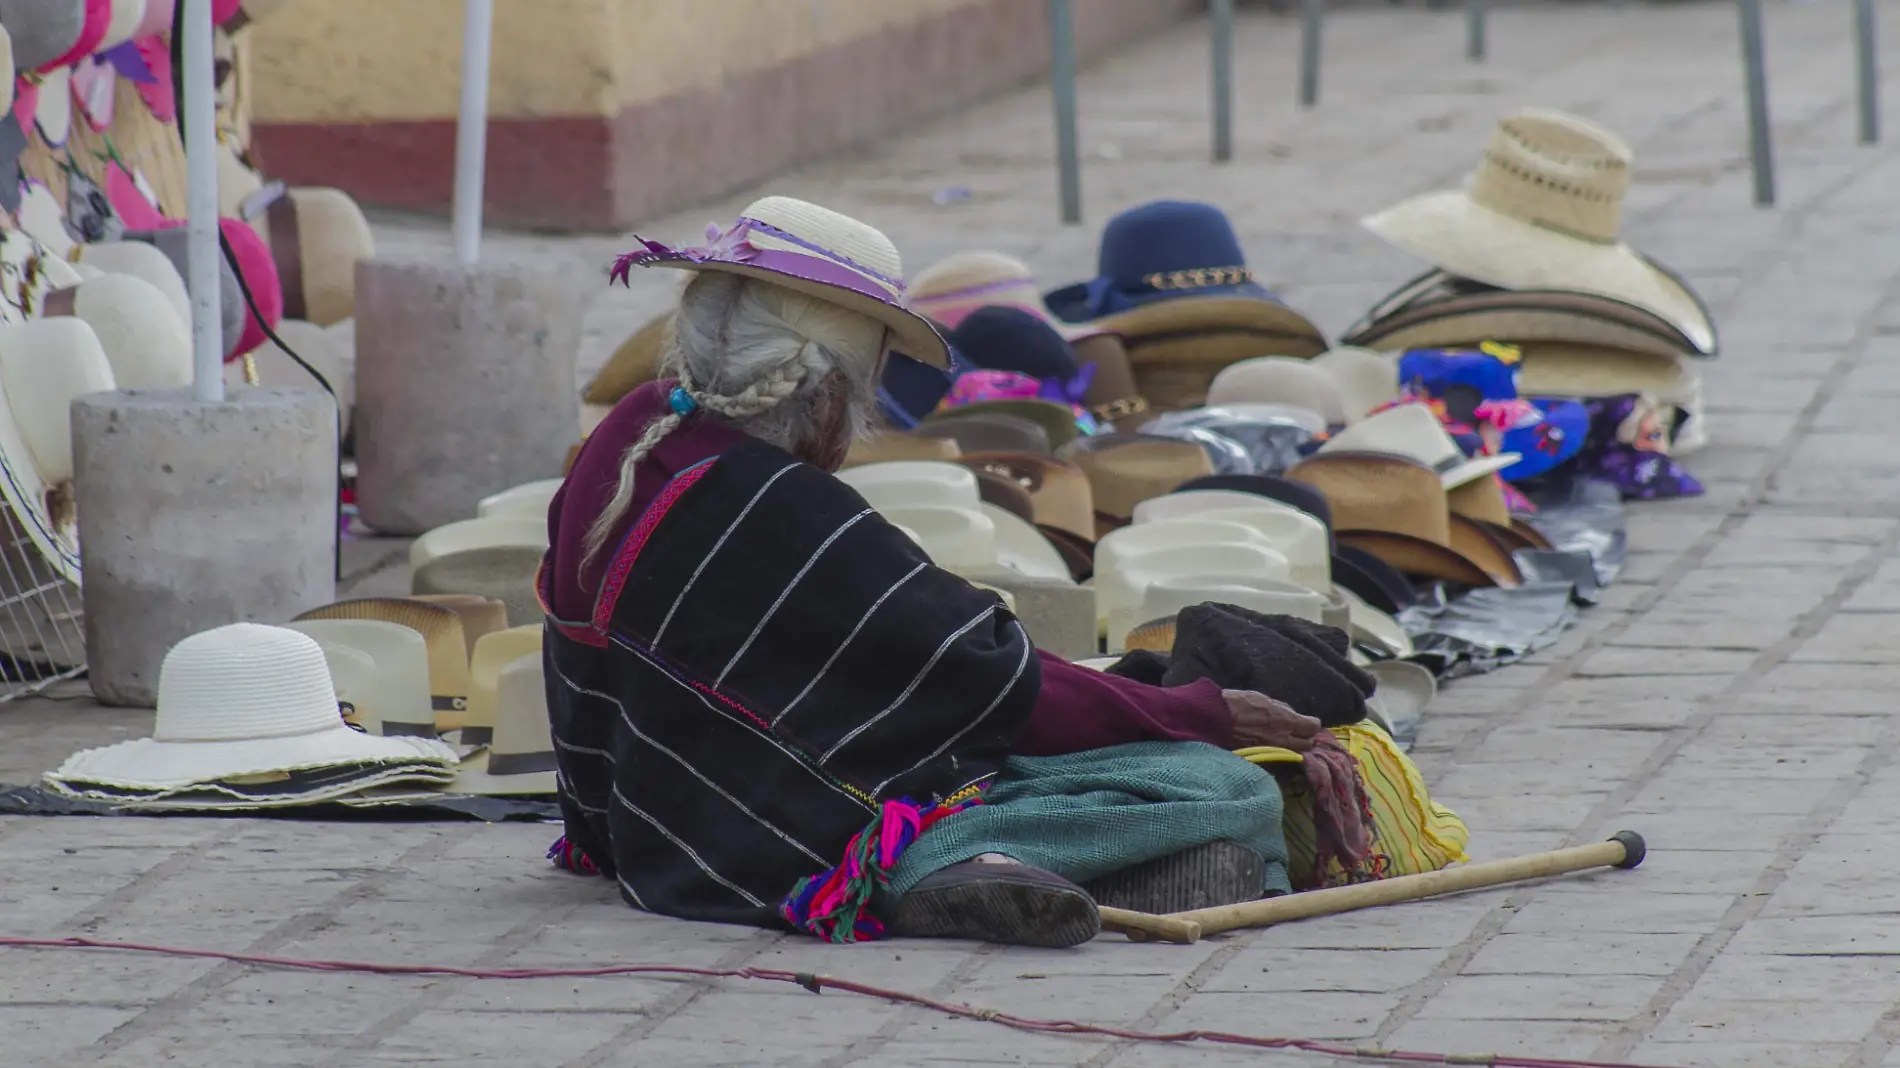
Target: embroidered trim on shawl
(835, 905)
(615, 580)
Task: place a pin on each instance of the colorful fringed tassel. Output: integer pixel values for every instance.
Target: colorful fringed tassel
(833, 904)
(567, 856)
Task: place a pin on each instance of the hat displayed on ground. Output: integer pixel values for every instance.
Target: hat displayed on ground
(53, 109)
(1023, 549)
(173, 241)
(240, 701)
(1371, 579)
(888, 446)
(441, 630)
(1365, 379)
(520, 759)
(1125, 469)
(402, 665)
(45, 32)
(1281, 380)
(1301, 538)
(143, 338)
(1120, 583)
(814, 251)
(492, 653)
(1123, 544)
(917, 483)
(1475, 392)
(1413, 432)
(320, 348)
(1562, 369)
(1543, 210)
(634, 362)
(1374, 628)
(949, 290)
(529, 498)
(1163, 602)
(1013, 339)
(1441, 310)
(959, 540)
(1404, 691)
(910, 390)
(354, 674)
(1057, 421)
(496, 557)
(139, 260)
(1058, 490)
(1292, 660)
(44, 365)
(481, 616)
(985, 431)
(316, 237)
(1004, 493)
(1386, 505)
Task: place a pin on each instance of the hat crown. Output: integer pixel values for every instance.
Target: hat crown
(244, 681)
(914, 483)
(1005, 338)
(996, 275)
(818, 230)
(44, 364)
(521, 709)
(1410, 431)
(1556, 171)
(1281, 380)
(1166, 236)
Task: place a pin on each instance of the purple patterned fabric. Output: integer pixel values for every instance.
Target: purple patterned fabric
(1628, 445)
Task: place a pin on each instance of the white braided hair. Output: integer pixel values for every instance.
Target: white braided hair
(755, 354)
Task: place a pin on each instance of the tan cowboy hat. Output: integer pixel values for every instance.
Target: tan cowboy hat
(481, 616)
(1281, 380)
(1387, 505)
(1124, 470)
(1543, 211)
(1438, 311)
(143, 338)
(817, 252)
(401, 655)
(495, 651)
(888, 445)
(1481, 499)
(634, 363)
(317, 236)
(44, 365)
(949, 290)
(1412, 431)
(520, 760)
(441, 630)
(1059, 492)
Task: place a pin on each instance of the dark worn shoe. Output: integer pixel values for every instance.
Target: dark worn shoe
(1218, 873)
(1013, 904)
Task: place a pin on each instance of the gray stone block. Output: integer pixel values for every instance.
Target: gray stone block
(196, 515)
(464, 383)
(1058, 616)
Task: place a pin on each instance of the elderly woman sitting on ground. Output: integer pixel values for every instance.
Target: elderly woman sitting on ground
(770, 708)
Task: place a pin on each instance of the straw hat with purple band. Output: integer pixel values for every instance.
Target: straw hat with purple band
(814, 251)
(949, 290)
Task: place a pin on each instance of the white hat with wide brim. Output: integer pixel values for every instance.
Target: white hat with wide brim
(44, 365)
(492, 653)
(1542, 211)
(1023, 549)
(959, 540)
(403, 706)
(1168, 597)
(1374, 628)
(1169, 533)
(140, 260)
(520, 759)
(913, 483)
(1301, 538)
(1405, 690)
(148, 346)
(237, 701)
(529, 498)
(1413, 432)
(342, 784)
(1365, 379)
(472, 535)
(1118, 592)
(1280, 380)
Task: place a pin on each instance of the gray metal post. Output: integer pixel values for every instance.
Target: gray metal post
(1475, 12)
(1062, 79)
(1756, 76)
(1221, 16)
(1313, 12)
(1868, 70)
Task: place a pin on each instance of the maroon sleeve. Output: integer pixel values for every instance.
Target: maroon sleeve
(1080, 709)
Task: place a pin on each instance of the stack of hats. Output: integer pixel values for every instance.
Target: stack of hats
(1529, 254)
(971, 524)
(495, 555)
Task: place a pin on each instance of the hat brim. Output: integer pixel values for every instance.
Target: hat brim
(1417, 556)
(1374, 627)
(1454, 233)
(1021, 548)
(1406, 689)
(1477, 543)
(151, 765)
(1076, 551)
(1371, 579)
(1422, 314)
(473, 778)
(911, 334)
(345, 784)
(1477, 467)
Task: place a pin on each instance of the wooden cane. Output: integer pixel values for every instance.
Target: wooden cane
(1625, 850)
(1143, 926)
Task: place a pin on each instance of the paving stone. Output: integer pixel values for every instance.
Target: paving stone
(1540, 997)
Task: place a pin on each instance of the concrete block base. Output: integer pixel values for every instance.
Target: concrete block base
(464, 386)
(1058, 616)
(195, 515)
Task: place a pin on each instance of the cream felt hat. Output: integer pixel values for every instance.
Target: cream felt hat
(1542, 211)
(44, 365)
(1404, 691)
(1280, 380)
(814, 251)
(1184, 504)
(1301, 538)
(1373, 628)
(127, 17)
(8, 75)
(53, 113)
(362, 692)
(1023, 549)
(492, 653)
(1164, 600)
(319, 348)
(959, 540)
(143, 339)
(42, 218)
(142, 261)
(496, 557)
(442, 635)
(469, 535)
(913, 483)
(1412, 431)
(1121, 545)
(947, 291)
(238, 701)
(529, 498)
(316, 237)
(355, 784)
(520, 760)
(1365, 379)
(1118, 589)
(402, 662)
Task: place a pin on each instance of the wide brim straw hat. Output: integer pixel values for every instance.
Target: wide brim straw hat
(492, 653)
(441, 630)
(1280, 380)
(1057, 421)
(814, 251)
(316, 237)
(363, 690)
(1481, 544)
(239, 701)
(528, 499)
(44, 365)
(949, 290)
(634, 362)
(1413, 432)
(1481, 499)
(520, 760)
(1542, 211)
(402, 662)
(889, 445)
(356, 784)
(1119, 590)
(1058, 490)
(1125, 469)
(1560, 369)
(148, 346)
(1438, 311)
(1395, 508)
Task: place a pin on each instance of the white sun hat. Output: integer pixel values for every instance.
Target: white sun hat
(1118, 592)
(237, 701)
(1301, 538)
(492, 653)
(471, 535)
(1413, 432)
(1366, 379)
(959, 540)
(897, 483)
(1404, 691)
(529, 498)
(143, 338)
(140, 260)
(1279, 380)
(520, 759)
(1373, 628)
(1136, 539)
(1186, 504)
(1023, 549)
(401, 655)
(495, 556)
(44, 365)
(1166, 598)
(1543, 210)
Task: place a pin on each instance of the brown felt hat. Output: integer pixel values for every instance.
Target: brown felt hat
(1125, 469)
(1174, 370)
(1058, 490)
(989, 432)
(1396, 509)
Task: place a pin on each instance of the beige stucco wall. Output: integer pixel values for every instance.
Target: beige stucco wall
(400, 60)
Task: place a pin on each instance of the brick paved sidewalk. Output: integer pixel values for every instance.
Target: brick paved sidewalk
(1732, 699)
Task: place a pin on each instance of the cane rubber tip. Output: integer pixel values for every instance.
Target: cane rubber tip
(1634, 848)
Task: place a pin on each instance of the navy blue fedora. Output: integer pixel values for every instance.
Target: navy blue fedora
(1172, 266)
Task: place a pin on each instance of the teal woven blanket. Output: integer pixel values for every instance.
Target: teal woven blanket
(1085, 815)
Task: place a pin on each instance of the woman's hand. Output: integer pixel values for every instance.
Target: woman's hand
(1260, 720)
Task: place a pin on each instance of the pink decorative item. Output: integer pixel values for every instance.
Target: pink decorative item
(26, 102)
(94, 83)
(157, 93)
(158, 18)
(98, 20)
(130, 203)
(223, 11)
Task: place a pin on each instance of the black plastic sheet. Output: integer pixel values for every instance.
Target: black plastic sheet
(39, 801)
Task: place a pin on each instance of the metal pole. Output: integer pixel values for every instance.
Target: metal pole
(1062, 79)
(1755, 70)
(1475, 12)
(203, 251)
(1312, 13)
(1222, 19)
(1868, 69)
(471, 129)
